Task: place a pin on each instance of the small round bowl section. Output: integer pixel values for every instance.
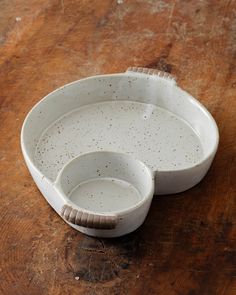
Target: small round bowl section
(108, 186)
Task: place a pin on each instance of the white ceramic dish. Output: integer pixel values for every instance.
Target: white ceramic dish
(142, 113)
(105, 194)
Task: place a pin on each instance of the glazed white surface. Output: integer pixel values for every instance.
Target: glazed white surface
(140, 112)
(150, 133)
(105, 195)
(133, 87)
(105, 186)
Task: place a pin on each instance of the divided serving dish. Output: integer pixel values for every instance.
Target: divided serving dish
(141, 113)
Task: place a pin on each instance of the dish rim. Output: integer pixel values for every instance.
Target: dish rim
(193, 100)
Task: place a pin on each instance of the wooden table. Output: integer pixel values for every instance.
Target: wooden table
(188, 242)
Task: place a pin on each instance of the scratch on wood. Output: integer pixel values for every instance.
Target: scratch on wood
(62, 6)
(170, 18)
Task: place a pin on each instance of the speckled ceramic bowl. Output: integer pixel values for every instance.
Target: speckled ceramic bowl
(142, 113)
(105, 194)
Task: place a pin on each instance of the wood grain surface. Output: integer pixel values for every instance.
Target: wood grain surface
(187, 245)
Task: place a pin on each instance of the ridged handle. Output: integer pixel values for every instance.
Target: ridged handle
(152, 72)
(89, 220)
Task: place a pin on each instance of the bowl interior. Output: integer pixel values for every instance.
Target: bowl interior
(106, 182)
(182, 136)
(119, 87)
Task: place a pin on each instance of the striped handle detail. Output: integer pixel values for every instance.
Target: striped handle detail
(152, 72)
(89, 220)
